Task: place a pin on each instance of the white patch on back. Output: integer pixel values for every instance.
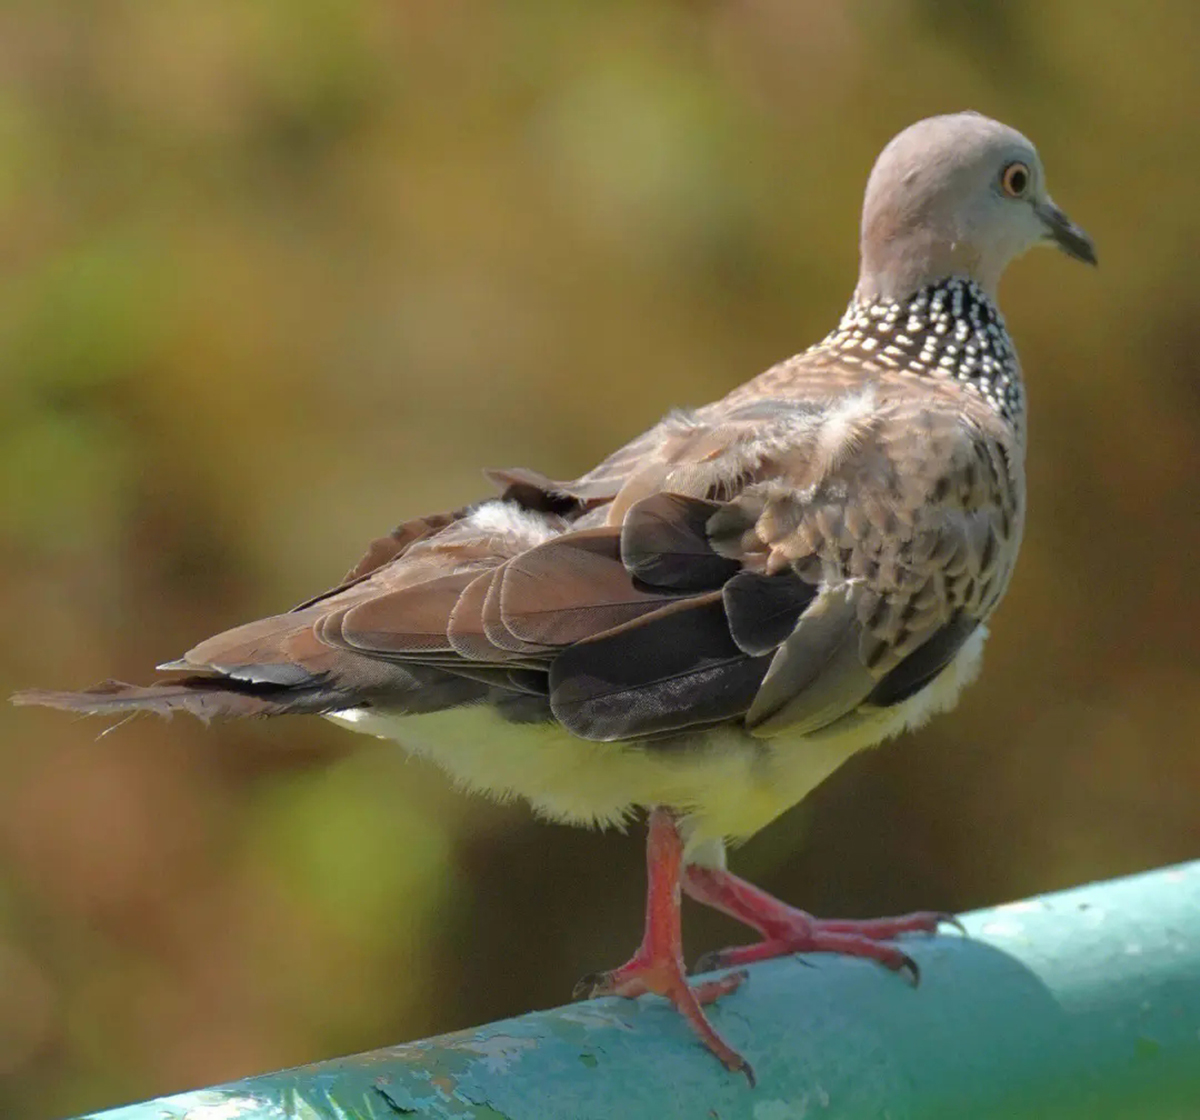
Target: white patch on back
(509, 519)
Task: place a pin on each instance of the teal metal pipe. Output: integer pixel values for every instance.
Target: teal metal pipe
(1080, 1004)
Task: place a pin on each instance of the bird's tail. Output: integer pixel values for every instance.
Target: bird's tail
(203, 696)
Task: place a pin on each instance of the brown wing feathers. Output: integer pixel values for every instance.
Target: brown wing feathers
(410, 621)
(679, 612)
(762, 611)
(664, 543)
(558, 618)
(661, 673)
(569, 589)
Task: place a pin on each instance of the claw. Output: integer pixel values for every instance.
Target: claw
(952, 920)
(746, 1068)
(589, 986)
(907, 964)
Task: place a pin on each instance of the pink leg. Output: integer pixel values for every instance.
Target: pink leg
(786, 930)
(657, 966)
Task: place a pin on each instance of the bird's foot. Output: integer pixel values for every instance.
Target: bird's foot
(787, 930)
(666, 978)
(657, 966)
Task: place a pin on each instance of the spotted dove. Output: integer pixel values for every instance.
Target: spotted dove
(727, 608)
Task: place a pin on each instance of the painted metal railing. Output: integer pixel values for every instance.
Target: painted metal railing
(1084, 1003)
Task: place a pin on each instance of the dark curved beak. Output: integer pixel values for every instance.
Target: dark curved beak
(1065, 233)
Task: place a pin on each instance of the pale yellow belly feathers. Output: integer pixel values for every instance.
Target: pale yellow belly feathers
(728, 783)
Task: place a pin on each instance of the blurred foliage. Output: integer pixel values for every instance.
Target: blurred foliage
(276, 275)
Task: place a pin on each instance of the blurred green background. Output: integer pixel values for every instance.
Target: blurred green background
(276, 275)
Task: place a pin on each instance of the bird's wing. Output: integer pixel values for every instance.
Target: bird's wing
(776, 562)
(866, 539)
(909, 531)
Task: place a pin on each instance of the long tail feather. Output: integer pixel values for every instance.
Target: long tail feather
(205, 697)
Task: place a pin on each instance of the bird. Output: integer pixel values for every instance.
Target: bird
(722, 612)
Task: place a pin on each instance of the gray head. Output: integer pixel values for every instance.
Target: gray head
(959, 195)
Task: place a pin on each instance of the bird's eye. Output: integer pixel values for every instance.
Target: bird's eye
(1014, 180)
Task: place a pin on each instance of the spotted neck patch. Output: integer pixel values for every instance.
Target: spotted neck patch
(947, 330)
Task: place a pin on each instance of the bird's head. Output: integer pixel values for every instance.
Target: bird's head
(957, 195)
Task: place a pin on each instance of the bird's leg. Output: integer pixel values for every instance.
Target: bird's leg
(657, 966)
(787, 930)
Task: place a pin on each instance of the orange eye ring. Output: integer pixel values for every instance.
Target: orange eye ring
(1015, 179)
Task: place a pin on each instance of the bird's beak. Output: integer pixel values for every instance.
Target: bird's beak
(1065, 233)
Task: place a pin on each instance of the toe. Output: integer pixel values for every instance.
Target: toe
(712, 990)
